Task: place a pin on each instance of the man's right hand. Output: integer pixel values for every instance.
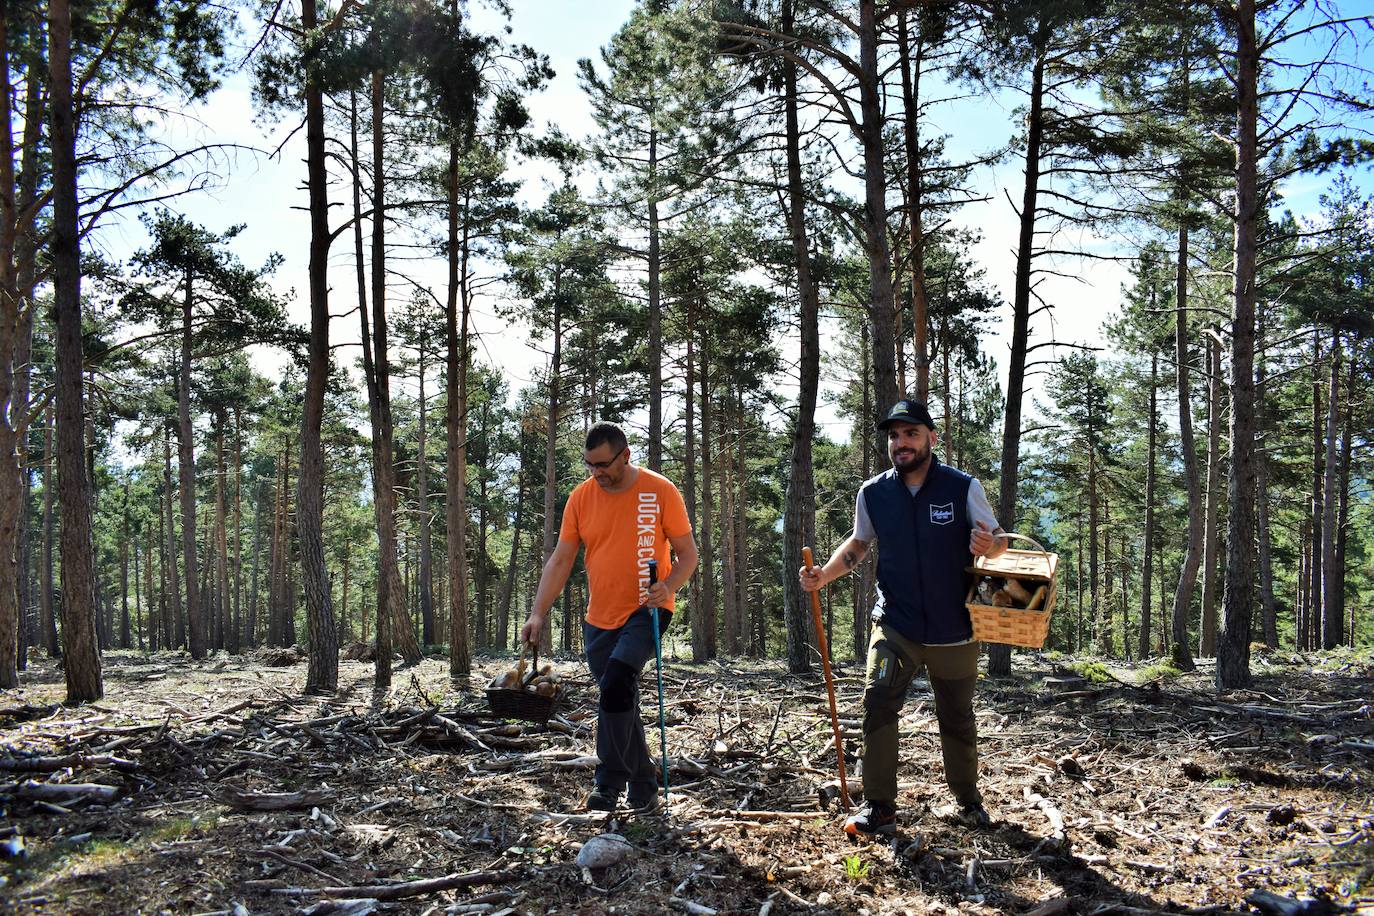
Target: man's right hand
(810, 577)
(533, 629)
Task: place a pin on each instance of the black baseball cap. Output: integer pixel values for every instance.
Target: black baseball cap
(907, 411)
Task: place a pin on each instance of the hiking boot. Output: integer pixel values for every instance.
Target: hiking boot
(649, 804)
(975, 815)
(874, 818)
(603, 798)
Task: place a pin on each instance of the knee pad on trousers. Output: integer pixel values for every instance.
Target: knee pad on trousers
(618, 686)
(882, 706)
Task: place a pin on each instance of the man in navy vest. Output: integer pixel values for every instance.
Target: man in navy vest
(931, 521)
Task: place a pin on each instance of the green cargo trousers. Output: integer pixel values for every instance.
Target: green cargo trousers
(893, 661)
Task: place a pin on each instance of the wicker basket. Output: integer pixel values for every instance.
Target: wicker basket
(519, 703)
(1010, 625)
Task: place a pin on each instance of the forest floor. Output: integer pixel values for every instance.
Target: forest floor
(1120, 795)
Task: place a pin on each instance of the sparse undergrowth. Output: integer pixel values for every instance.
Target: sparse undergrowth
(1165, 800)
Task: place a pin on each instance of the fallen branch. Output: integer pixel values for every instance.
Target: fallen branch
(273, 801)
(52, 764)
(407, 889)
(66, 793)
(303, 866)
(766, 815)
(1051, 812)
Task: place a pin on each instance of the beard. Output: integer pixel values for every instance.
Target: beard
(907, 460)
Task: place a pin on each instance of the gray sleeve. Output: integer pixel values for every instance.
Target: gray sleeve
(979, 509)
(863, 526)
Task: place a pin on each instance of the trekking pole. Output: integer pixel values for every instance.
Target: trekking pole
(658, 660)
(821, 643)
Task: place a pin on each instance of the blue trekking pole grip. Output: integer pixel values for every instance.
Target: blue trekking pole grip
(658, 659)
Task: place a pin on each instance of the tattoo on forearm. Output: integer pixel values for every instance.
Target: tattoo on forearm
(851, 559)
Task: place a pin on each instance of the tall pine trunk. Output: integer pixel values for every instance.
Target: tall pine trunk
(655, 343)
(880, 295)
(236, 633)
(704, 613)
(481, 574)
(124, 634)
(78, 549)
(225, 637)
(1317, 452)
(689, 459)
(177, 632)
(1332, 583)
(1101, 615)
(1151, 447)
(402, 635)
(322, 675)
(46, 610)
(799, 511)
(551, 445)
(503, 606)
(186, 474)
(456, 316)
(424, 532)
(863, 581)
(250, 616)
(1233, 640)
(1182, 654)
(152, 619)
(911, 82)
(999, 656)
(26, 262)
(1343, 491)
(1268, 603)
(1207, 628)
(12, 502)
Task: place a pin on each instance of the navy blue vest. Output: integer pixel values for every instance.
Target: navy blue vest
(922, 553)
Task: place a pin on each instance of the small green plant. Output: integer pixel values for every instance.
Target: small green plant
(1159, 671)
(1093, 671)
(855, 868)
(634, 831)
(98, 853)
(178, 828)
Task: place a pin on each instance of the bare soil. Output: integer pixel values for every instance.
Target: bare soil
(225, 791)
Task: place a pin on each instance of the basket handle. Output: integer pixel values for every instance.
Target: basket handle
(1020, 537)
(525, 679)
(1024, 537)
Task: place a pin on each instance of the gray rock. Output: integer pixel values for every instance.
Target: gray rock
(604, 850)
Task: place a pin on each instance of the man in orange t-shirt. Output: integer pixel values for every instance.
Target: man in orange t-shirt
(625, 516)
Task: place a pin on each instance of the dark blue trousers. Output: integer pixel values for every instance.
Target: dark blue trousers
(617, 658)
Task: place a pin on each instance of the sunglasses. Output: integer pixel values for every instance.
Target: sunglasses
(602, 465)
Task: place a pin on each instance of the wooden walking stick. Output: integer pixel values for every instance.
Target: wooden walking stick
(821, 643)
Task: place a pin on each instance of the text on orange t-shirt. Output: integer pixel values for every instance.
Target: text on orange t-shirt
(622, 533)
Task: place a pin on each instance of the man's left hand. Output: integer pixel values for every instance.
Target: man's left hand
(984, 542)
(659, 596)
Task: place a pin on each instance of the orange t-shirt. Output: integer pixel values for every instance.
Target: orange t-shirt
(622, 533)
